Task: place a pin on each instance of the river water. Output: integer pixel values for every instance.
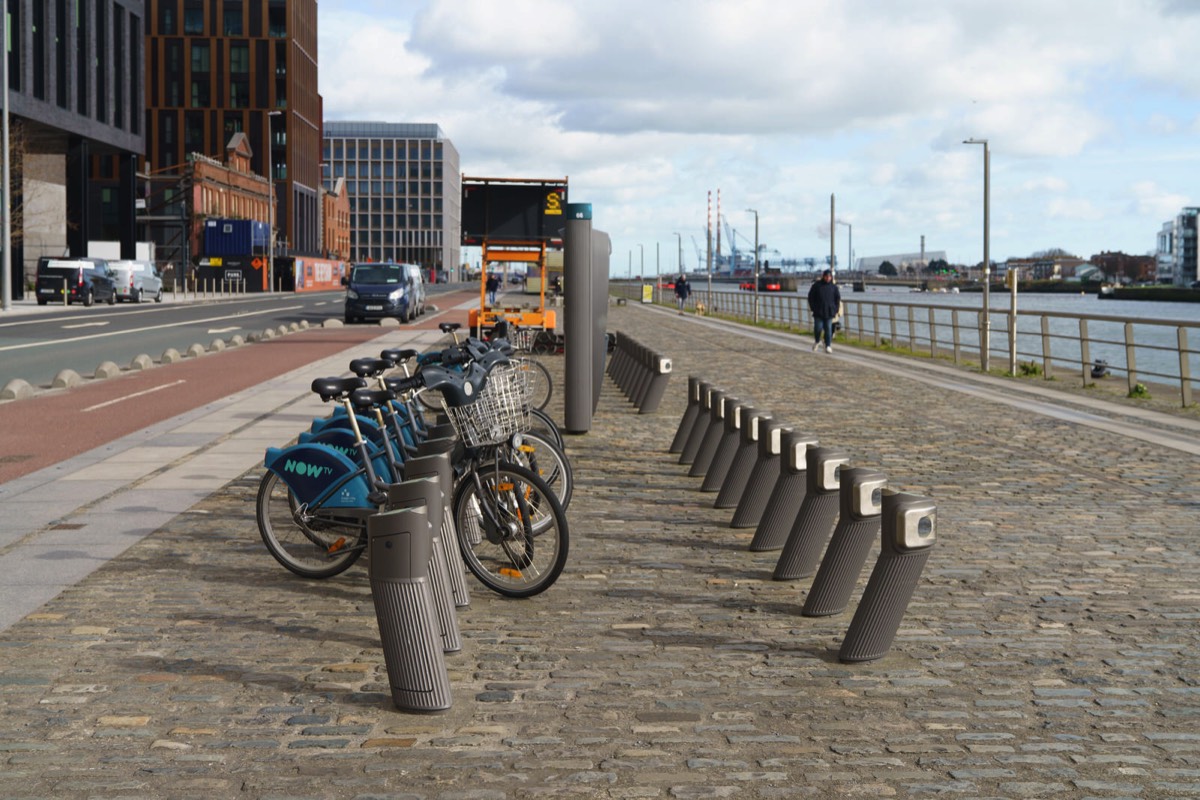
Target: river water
(1156, 325)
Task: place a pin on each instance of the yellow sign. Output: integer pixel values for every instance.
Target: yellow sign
(554, 204)
(647, 293)
(215, 261)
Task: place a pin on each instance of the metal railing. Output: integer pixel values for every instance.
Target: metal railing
(1048, 342)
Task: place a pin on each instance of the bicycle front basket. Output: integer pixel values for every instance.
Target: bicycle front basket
(499, 411)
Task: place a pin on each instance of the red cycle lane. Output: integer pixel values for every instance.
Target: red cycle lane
(41, 431)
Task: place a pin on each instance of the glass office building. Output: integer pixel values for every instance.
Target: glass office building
(405, 191)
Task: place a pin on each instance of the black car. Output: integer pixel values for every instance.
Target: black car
(378, 290)
(84, 280)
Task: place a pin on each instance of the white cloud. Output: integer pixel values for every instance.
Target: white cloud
(647, 106)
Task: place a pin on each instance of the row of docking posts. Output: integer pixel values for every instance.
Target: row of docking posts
(792, 490)
(639, 372)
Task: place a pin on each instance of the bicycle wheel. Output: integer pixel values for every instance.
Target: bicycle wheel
(539, 454)
(541, 422)
(511, 529)
(312, 545)
(540, 383)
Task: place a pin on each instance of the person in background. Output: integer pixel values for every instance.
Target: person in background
(682, 290)
(493, 283)
(824, 300)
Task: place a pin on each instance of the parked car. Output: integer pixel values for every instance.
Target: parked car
(85, 280)
(378, 290)
(137, 279)
(416, 279)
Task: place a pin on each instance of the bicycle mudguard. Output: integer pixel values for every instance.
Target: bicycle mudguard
(342, 440)
(319, 475)
(369, 427)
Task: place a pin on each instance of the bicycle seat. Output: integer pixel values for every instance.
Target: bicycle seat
(370, 367)
(449, 327)
(336, 388)
(369, 398)
(396, 355)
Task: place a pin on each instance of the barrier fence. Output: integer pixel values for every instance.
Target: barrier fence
(1049, 343)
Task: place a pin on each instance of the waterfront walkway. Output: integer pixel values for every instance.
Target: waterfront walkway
(1051, 649)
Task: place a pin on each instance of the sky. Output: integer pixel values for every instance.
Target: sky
(1091, 109)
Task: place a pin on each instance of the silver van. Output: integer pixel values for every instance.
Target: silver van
(136, 280)
(416, 284)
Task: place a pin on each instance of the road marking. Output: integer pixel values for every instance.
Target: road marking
(93, 336)
(85, 325)
(225, 330)
(135, 394)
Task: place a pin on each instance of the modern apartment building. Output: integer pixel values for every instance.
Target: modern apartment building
(405, 191)
(75, 82)
(1176, 253)
(216, 68)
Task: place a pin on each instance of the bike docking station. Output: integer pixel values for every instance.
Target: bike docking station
(787, 495)
(687, 453)
(640, 373)
(727, 446)
(438, 465)
(817, 513)
(793, 491)
(857, 529)
(909, 532)
(427, 493)
(742, 464)
(722, 404)
(689, 416)
(763, 475)
(399, 549)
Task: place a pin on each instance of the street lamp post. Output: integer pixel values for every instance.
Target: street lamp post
(271, 177)
(755, 213)
(986, 332)
(849, 245)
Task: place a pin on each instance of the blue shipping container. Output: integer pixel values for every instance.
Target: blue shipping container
(234, 237)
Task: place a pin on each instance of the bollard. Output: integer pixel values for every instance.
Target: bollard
(744, 459)
(762, 477)
(787, 495)
(426, 492)
(398, 553)
(731, 437)
(856, 531)
(651, 397)
(703, 419)
(909, 531)
(689, 415)
(722, 404)
(441, 466)
(815, 519)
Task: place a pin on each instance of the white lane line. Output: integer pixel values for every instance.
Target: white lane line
(225, 330)
(135, 394)
(91, 336)
(85, 325)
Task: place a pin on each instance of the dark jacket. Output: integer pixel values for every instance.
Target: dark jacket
(493, 283)
(682, 289)
(824, 299)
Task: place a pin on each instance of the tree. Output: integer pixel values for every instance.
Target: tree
(887, 268)
(939, 265)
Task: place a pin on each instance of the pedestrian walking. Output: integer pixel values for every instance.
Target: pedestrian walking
(824, 301)
(682, 290)
(493, 283)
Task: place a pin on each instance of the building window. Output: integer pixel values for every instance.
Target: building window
(233, 20)
(239, 93)
(201, 93)
(193, 17)
(100, 61)
(168, 12)
(200, 57)
(239, 57)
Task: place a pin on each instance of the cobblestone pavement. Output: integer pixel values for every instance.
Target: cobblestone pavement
(1051, 649)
